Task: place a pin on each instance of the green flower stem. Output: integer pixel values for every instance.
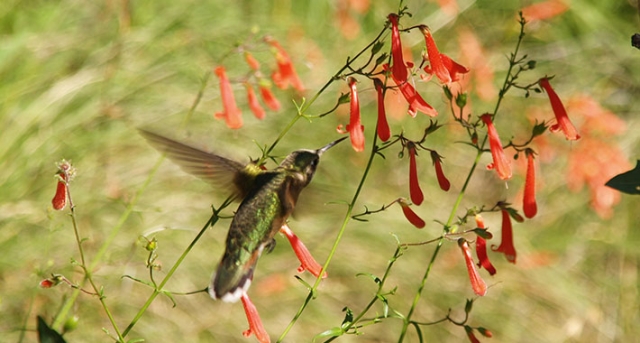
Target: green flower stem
(334, 248)
(62, 315)
(159, 289)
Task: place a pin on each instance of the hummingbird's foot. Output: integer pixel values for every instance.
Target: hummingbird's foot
(255, 323)
(307, 262)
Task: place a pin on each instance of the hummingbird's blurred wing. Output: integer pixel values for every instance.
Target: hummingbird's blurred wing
(221, 172)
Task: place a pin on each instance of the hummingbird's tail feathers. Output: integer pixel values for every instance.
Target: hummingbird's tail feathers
(221, 172)
(233, 279)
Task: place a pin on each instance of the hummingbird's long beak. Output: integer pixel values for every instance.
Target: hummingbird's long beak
(326, 147)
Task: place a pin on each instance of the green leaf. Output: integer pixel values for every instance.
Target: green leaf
(47, 334)
(373, 277)
(628, 182)
(333, 332)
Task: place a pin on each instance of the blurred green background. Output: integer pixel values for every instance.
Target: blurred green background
(78, 78)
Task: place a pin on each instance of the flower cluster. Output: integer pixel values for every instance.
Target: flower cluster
(283, 76)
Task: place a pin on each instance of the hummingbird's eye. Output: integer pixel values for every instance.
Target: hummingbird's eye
(314, 162)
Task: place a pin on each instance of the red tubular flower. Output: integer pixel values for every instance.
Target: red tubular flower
(442, 180)
(500, 162)
(269, 99)
(255, 323)
(307, 262)
(232, 114)
(478, 285)
(472, 337)
(485, 332)
(435, 59)
(414, 187)
(481, 249)
(46, 283)
(454, 68)
(411, 216)
(529, 205)
(59, 200)
(384, 133)
(355, 128)
(254, 105)
(251, 61)
(562, 119)
(506, 246)
(416, 102)
(285, 74)
(399, 68)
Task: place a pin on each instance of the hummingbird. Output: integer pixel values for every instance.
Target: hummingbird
(267, 198)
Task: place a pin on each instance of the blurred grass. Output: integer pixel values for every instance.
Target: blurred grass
(79, 77)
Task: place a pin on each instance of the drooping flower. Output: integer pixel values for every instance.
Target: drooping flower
(443, 182)
(472, 337)
(384, 133)
(254, 105)
(435, 59)
(53, 281)
(500, 162)
(529, 205)
(478, 285)
(65, 173)
(562, 119)
(59, 200)
(416, 102)
(481, 248)
(355, 128)
(454, 68)
(255, 323)
(414, 186)
(285, 74)
(506, 246)
(485, 332)
(399, 68)
(267, 96)
(307, 262)
(231, 114)
(251, 61)
(411, 216)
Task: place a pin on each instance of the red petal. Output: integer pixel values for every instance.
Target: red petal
(269, 99)
(454, 68)
(435, 59)
(255, 323)
(506, 246)
(563, 122)
(355, 128)
(478, 285)
(254, 105)
(443, 182)
(416, 102)
(384, 133)
(307, 262)
(500, 162)
(232, 114)
(59, 200)
(399, 69)
(411, 216)
(481, 249)
(285, 67)
(414, 186)
(529, 205)
(251, 61)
